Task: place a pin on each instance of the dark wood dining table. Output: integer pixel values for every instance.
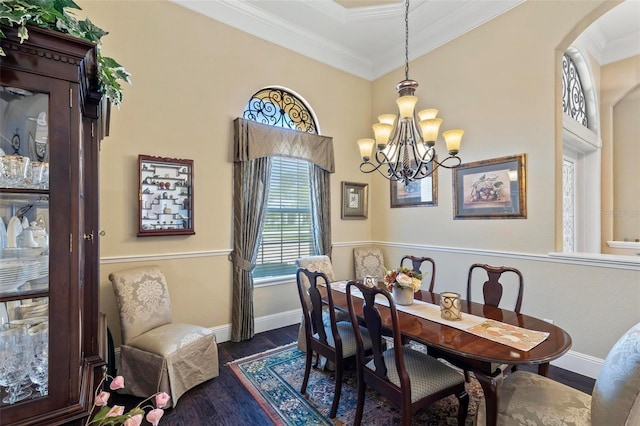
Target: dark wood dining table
(469, 351)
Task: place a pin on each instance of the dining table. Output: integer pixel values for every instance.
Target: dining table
(472, 351)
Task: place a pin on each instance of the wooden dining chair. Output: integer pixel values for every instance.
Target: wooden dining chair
(416, 265)
(409, 378)
(334, 341)
(317, 263)
(493, 290)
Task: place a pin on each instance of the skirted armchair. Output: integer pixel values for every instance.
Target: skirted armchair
(529, 399)
(157, 354)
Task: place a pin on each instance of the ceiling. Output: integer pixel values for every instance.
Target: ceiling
(367, 37)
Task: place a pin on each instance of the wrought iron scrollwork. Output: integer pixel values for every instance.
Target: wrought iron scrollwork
(280, 108)
(573, 100)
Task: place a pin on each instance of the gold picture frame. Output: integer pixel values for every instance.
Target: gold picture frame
(491, 189)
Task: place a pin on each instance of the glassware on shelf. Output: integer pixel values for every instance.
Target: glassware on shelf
(14, 170)
(15, 355)
(39, 367)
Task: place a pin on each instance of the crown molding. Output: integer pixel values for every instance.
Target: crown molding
(247, 16)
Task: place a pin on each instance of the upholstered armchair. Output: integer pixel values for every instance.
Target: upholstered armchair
(319, 263)
(368, 261)
(526, 398)
(157, 354)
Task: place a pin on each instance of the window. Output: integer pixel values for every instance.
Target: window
(288, 227)
(581, 158)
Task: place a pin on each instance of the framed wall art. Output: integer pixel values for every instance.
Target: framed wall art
(491, 189)
(355, 200)
(166, 196)
(420, 193)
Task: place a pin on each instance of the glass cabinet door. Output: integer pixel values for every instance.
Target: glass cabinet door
(24, 245)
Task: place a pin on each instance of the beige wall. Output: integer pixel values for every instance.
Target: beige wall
(193, 75)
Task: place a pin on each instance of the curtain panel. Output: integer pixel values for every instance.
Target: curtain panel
(254, 144)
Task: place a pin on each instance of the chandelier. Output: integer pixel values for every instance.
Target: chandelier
(406, 152)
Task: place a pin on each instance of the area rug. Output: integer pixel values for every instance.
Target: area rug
(274, 378)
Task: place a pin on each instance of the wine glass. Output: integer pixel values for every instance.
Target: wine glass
(39, 367)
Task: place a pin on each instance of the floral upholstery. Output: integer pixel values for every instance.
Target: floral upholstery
(529, 399)
(157, 354)
(368, 261)
(319, 263)
(616, 395)
(143, 300)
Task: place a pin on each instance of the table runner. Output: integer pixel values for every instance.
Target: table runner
(507, 334)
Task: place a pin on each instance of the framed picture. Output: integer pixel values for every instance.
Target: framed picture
(422, 192)
(165, 196)
(491, 189)
(354, 200)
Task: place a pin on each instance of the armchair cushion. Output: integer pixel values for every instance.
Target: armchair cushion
(616, 395)
(530, 399)
(143, 300)
(368, 261)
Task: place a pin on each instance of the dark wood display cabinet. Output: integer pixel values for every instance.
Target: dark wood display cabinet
(52, 119)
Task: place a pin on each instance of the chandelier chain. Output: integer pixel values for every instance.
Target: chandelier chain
(406, 41)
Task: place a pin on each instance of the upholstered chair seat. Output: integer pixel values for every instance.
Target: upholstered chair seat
(157, 354)
(526, 398)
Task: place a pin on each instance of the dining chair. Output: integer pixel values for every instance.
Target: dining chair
(526, 398)
(368, 261)
(492, 292)
(410, 379)
(416, 265)
(316, 263)
(334, 341)
(157, 354)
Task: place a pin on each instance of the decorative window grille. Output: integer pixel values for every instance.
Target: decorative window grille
(568, 206)
(573, 100)
(288, 228)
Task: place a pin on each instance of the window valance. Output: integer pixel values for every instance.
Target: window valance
(255, 140)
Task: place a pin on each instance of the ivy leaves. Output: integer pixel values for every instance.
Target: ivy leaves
(55, 15)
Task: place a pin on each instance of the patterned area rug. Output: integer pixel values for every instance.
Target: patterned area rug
(274, 378)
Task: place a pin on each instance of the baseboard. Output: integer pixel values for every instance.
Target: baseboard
(262, 324)
(579, 363)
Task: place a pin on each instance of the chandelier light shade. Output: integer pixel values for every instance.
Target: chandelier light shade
(405, 150)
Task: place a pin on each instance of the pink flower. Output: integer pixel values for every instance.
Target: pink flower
(161, 399)
(116, 410)
(102, 398)
(154, 416)
(134, 421)
(117, 383)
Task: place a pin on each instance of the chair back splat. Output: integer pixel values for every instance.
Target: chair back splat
(416, 265)
(493, 289)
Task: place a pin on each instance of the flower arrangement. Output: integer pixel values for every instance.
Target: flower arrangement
(403, 278)
(56, 15)
(115, 416)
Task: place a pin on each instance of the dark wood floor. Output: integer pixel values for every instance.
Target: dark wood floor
(224, 401)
